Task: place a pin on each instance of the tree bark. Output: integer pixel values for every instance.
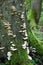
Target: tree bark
(36, 6)
(12, 31)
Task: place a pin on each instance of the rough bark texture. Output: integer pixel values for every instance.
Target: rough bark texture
(12, 31)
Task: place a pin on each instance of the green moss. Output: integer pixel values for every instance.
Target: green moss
(35, 42)
(31, 14)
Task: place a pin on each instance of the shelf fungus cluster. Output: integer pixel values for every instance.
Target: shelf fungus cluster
(22, 16)
(24, 45)
(25, 36)
(21, 4)
(15, 33)
(9, 55)
(1, 48)
(7, 26)
(24, 31)
(12, 49)
(23, 28)
(13, 10)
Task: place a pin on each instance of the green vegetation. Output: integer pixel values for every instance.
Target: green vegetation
(15, 38)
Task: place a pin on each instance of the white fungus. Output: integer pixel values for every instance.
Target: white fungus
(24, 45)
(28, 50)
(13, 49)
(29, 57)
(9, 55)
(26, 34)
(2, 47)
(13, 44)
(24, 25)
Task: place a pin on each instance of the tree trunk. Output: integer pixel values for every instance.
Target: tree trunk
(13, 34)
(36, 6)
